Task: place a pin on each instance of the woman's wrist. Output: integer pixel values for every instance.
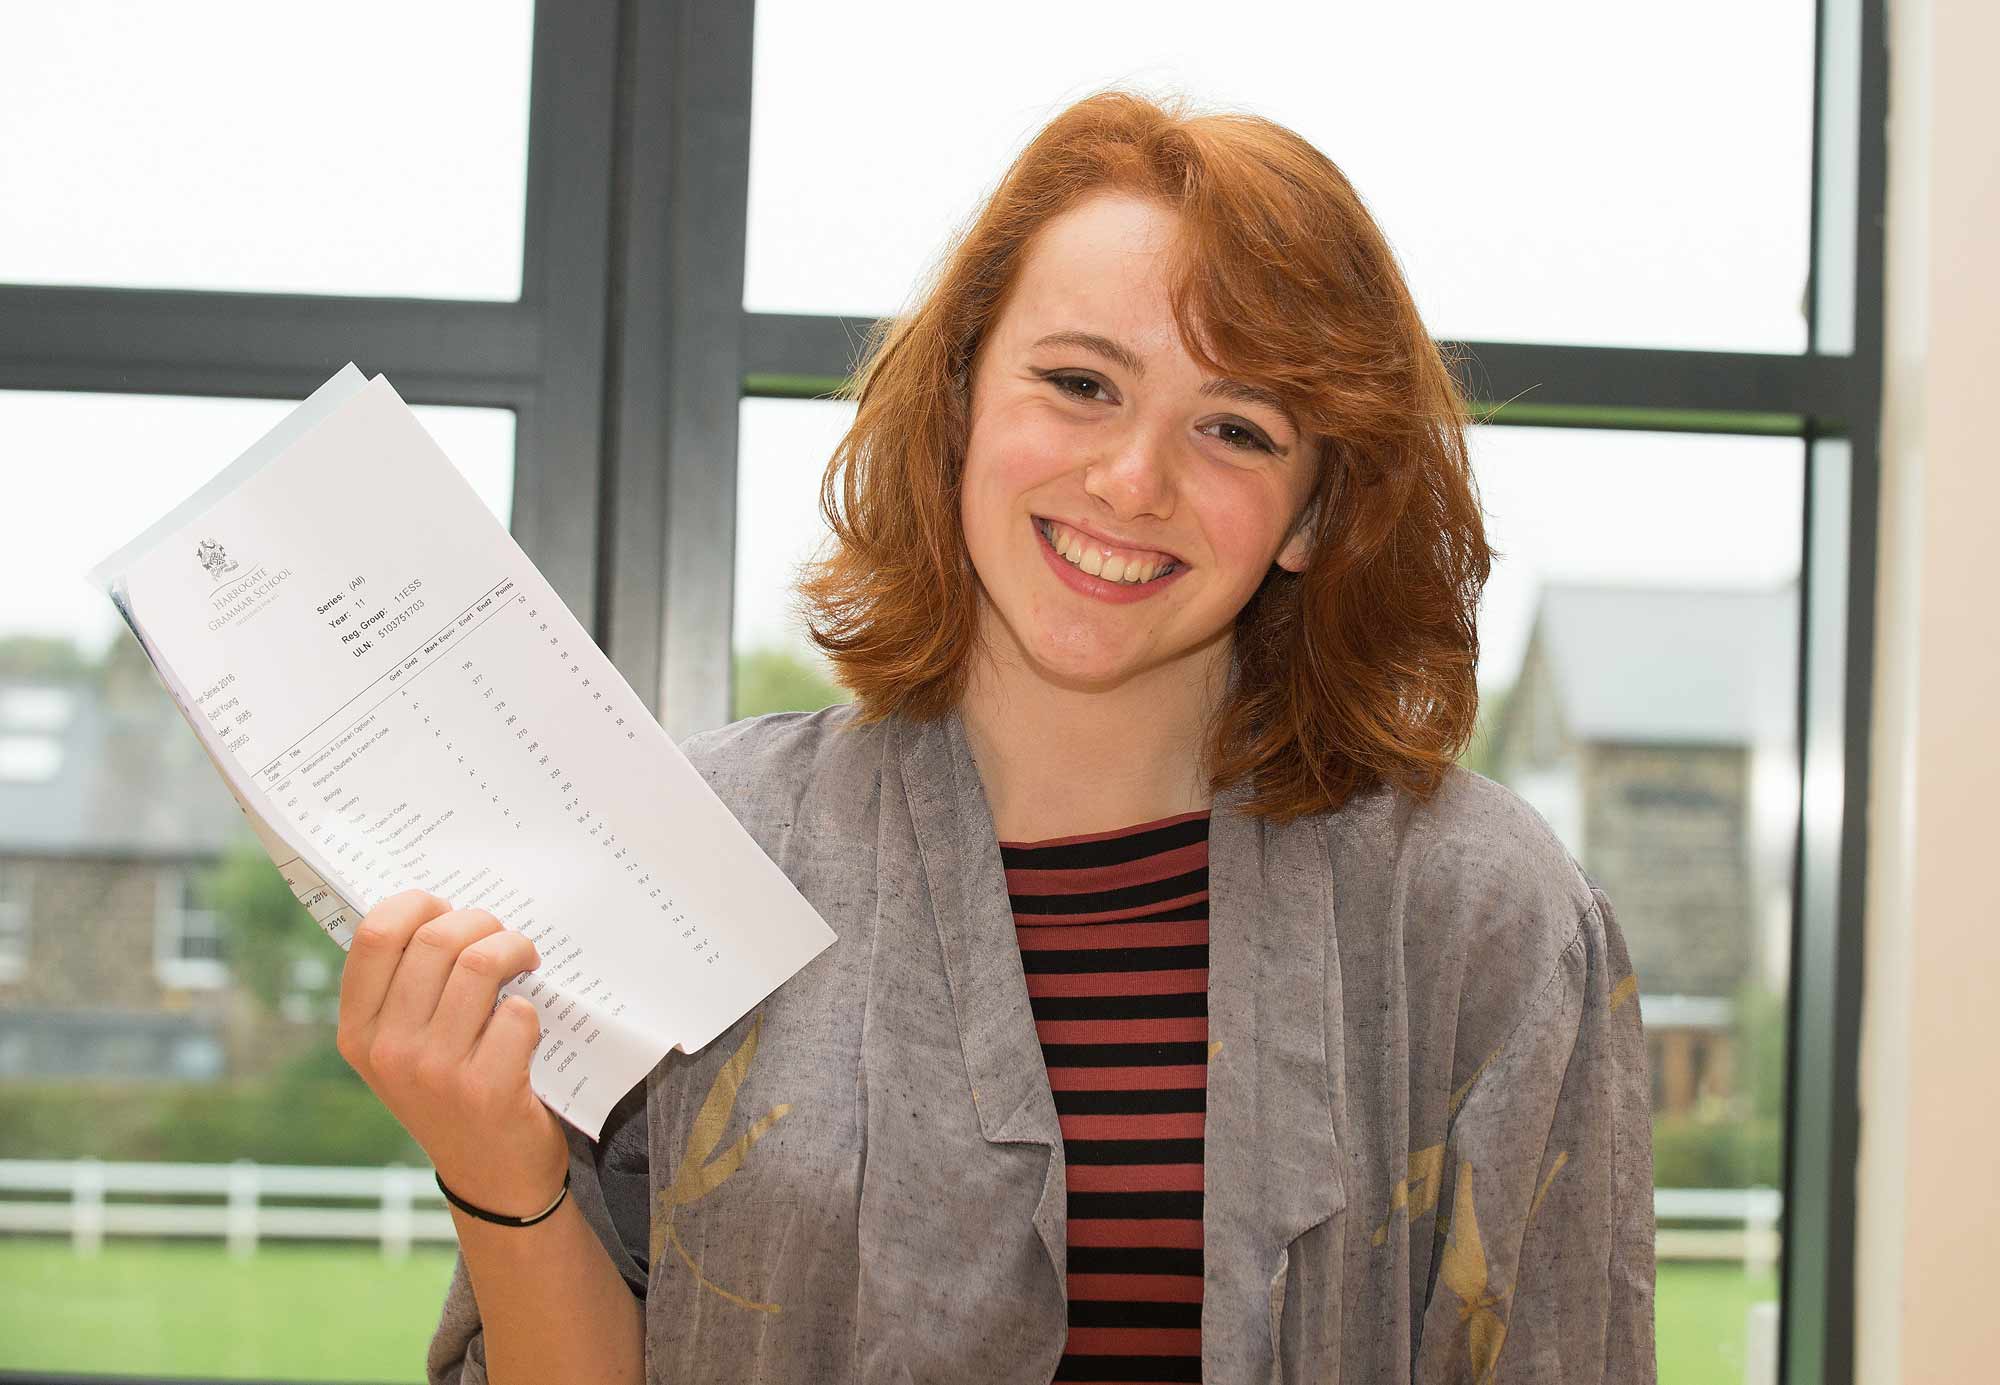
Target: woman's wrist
(505, 1185)
(512, 1209)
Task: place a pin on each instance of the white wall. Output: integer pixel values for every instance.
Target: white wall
(1929, 1178)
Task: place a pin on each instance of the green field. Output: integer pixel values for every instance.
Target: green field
(315, 1313)
(303, 1312)
(1701, 1320)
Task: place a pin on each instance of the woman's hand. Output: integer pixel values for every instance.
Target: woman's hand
(417, 1021)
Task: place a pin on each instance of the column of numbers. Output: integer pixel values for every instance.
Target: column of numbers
(640, 874)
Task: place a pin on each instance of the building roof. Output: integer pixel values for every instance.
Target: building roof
(1679, 665)
(105, 767)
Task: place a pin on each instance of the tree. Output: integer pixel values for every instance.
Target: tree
(275, 949)
(1760, 1023)
(1479, 754)
(777, 680)
(42, 656)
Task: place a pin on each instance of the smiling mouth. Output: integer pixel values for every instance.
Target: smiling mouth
(1085, 555)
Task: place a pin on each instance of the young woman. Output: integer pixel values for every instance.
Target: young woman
(1192, 1015)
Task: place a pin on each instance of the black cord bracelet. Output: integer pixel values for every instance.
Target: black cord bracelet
(496, 1218)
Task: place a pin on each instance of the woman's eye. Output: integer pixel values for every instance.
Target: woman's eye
(1063, 383)
(1251, 440)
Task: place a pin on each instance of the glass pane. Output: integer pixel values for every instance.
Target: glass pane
(1559, 171)
(782, 449)
(376, 149)
(1639, 679)
(88, 471)
(163, 998)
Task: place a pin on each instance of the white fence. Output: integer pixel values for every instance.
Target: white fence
(395, 1206)
(243, 1203)
(1747, 1229)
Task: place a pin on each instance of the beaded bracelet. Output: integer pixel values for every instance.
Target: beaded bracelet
(496, 1218)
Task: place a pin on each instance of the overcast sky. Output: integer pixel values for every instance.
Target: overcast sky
(1552, 171)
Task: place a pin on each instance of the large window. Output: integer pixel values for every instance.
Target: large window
(185, 1163)
(1543, 171)
(617, 252)
(1639, 660)
(162, 996)
(241, 145)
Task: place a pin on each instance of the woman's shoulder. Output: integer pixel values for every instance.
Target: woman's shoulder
(1475, 883)
(793, 777)
(1473, 843)
(1480, 837)
(780, 750)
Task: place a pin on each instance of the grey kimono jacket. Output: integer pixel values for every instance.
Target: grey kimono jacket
(1427, 1149)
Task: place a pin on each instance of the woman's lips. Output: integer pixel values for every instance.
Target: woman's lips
(1109, 542)
(1077, 580)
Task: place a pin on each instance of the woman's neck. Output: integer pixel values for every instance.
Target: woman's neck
(1059, 761)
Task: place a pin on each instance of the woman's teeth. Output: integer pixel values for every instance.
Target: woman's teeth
(1092, 559)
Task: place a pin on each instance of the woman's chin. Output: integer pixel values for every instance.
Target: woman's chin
(1074, 668)
(1077, 655)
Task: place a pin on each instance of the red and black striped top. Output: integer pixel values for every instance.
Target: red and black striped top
(1113, 928)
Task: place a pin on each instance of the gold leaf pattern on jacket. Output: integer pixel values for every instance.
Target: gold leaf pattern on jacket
(697, 1175)
(1624, 990)
(1464, 1273)
(1418, 1192)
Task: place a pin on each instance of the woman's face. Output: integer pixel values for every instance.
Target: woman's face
(1092, 429)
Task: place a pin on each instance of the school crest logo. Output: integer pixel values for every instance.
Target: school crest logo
(214, 558)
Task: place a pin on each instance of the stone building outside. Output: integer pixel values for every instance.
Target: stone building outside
(109, 812)
(1654, 728)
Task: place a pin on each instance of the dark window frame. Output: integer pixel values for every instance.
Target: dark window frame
(628, 353)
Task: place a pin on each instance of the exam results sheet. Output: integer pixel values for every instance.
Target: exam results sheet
(398, 699)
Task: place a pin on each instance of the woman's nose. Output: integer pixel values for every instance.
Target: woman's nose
(1135, 478)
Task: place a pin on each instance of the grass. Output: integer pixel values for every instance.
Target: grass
(306, 1312)
(185, 1308)
(1701, 1321)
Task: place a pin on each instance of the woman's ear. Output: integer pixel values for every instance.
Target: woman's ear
(1298, 548)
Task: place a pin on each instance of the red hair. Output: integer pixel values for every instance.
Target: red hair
(1357, 671)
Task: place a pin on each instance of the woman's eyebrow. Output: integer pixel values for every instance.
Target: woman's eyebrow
(1125, 356)
(1104, 346)
(1250, 394)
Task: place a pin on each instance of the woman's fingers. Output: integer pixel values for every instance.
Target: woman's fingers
(427, 964)
(373, 958)
(507, 1045)
(417, 1021)
(466, 1005)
